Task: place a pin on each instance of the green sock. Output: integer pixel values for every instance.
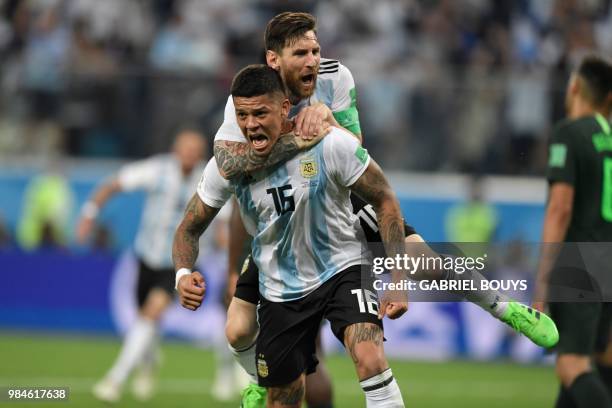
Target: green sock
(564, 399)
(589, 391)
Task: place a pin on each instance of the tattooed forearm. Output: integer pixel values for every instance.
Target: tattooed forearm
(236, 159)
(373, 187)
(360, 333)
(290, 395)
(391, 227)
(231, 158)
(186, 239)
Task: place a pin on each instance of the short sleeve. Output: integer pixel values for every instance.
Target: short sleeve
(345, 159)
(230, 130)
(561, 156)
(141, 175)
(213, 189)
(344, 105)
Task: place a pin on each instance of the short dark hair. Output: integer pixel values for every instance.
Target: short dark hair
(596, 73)
(287, 27)
(256, 80)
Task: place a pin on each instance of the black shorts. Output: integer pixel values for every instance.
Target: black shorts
(286, 345)
(150, 278)
(247, 286)
(584, 327)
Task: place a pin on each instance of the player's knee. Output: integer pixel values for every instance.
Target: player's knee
(571, 366)
(241, 325)
(239, 333)
(369, 360)
(370, 366)
(155, 304)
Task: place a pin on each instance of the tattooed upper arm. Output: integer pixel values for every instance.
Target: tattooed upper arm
(199, 215)
(232, 157)
(372, 186)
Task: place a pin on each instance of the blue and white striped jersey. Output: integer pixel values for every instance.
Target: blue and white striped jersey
(335, 88)
(299, 214)
(167, 195)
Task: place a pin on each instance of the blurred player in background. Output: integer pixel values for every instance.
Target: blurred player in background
(47, 205)
(169, 181)
(579, 209)
(322, 279)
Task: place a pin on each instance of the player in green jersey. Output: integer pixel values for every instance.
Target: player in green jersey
(579, 210)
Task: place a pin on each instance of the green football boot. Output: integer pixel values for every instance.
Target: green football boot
(535, 325)
(253, 396)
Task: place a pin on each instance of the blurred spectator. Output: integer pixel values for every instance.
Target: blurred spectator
(90, 97)
(471, 85)
(46, 210)
(527, 115)
(474, 220)
(189, 41)
(479, 113)
(44, 64)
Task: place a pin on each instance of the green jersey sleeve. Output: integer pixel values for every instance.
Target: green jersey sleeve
(344, 106)
(561, 155)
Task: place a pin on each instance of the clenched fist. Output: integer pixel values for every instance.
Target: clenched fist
(191, 289)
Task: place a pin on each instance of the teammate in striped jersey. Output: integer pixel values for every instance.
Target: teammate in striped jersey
(307, 245)
(322, 92)
(169, 181)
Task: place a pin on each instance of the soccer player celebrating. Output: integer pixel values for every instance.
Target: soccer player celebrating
(168, 180)
(579, 209)
(323, 93)
(303, 204)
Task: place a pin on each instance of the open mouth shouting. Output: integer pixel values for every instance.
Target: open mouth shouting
(259, 142)
(308, 80)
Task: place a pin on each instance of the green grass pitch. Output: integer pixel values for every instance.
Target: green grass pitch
(187, 374)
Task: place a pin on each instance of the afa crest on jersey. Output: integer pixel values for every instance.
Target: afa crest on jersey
(262, 368)
(308, 167)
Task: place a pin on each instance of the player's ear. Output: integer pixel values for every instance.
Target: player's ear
(285, 107)
(574, 84)
(272, 59)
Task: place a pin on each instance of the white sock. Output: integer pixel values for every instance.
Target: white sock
(382, 391)
(137, 342)
(246, 359)
(224, 361)
(151, 358)
(498, 307)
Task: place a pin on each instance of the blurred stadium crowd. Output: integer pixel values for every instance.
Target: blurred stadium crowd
(446, 85)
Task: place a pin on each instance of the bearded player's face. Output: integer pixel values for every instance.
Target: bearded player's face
(299, 65)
